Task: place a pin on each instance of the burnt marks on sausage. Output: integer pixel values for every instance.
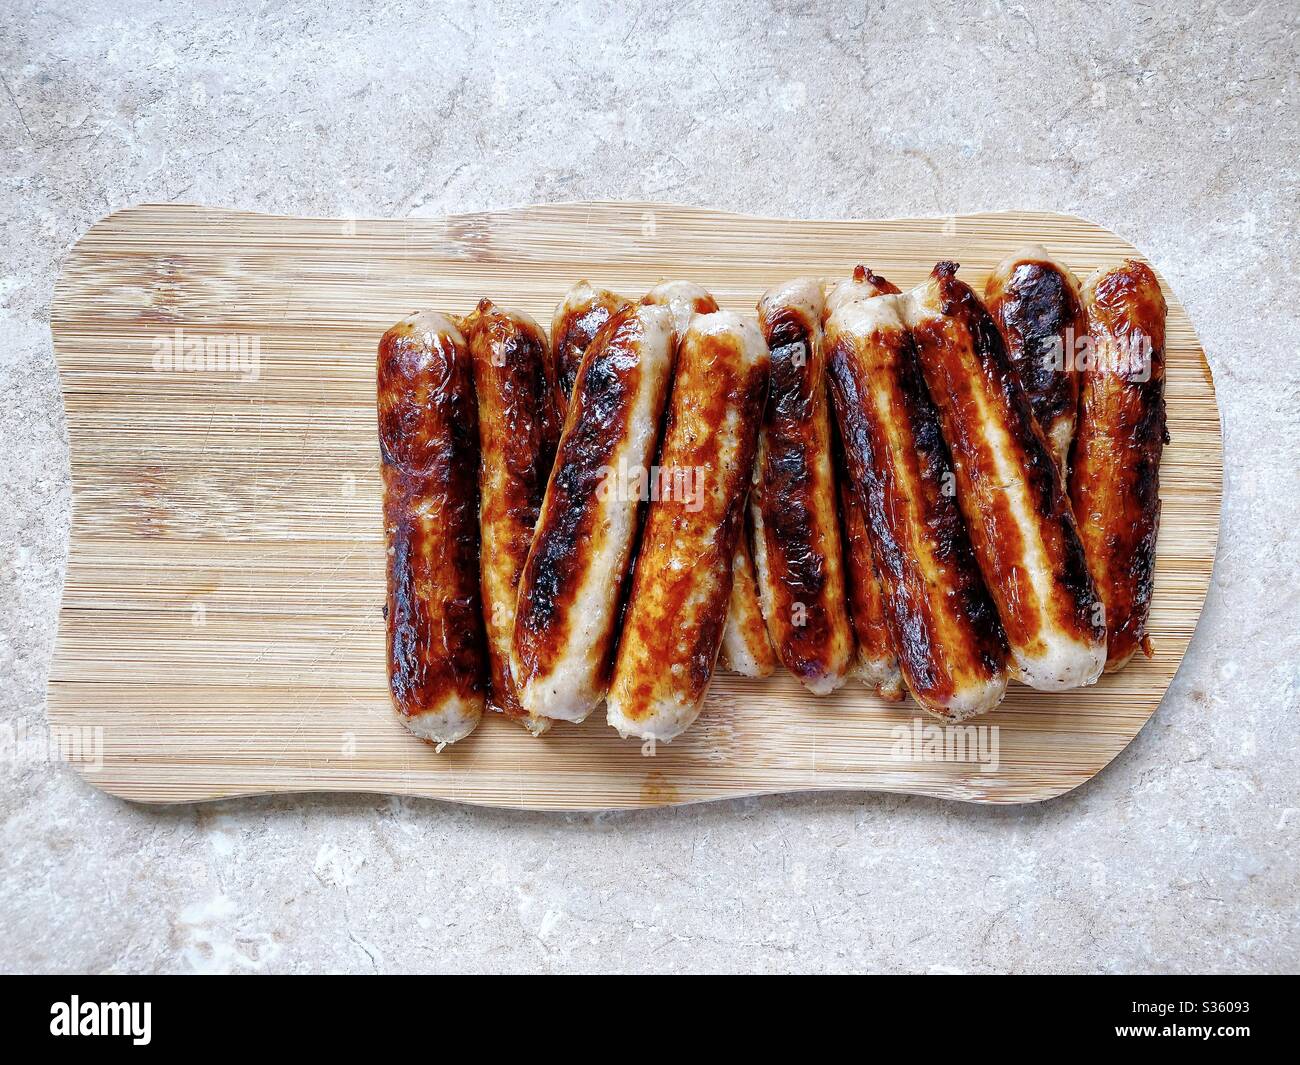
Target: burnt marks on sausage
(1040, 311)
(519, 426)
(435, 647)
(797, 561)
(604, 393)
(995, 528)
(942, 624)
(1115, 485)
(428, 434)
(582, 315)
(513, 363)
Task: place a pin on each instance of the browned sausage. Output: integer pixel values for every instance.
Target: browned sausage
(798, 550)
(577, 320)
(875, 662)
(746, 648)
(1036, 302)
(567, 612)
(685, 299)
(428, 441)
(514, 379)
(673, 626)
(1009, 489)
(1115, 484)
(941, 622)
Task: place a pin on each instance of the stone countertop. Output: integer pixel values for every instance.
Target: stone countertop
(1176, 125)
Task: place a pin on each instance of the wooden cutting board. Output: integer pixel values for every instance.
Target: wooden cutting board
(221, 630)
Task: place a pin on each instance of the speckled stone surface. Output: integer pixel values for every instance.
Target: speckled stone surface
(1174, 124)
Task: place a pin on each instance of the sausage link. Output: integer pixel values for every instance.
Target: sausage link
(1115, 486)
(875, 662)
(685, 299)
(863, 285)
(798, 550)
(941, 621)
(676, 612)
(1009, 489)
(569, 594)
(514, 380)
(428, 442)
(578, 318)
(1036, 303)
(746, 648)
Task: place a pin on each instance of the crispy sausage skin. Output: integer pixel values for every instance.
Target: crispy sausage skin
(1036, 303)
(685, 299)
(941, 621)
(519, 426)
(428, 443)
(746, 648)
(676, 611)
(1009, 489)
(577, 320)
(1115, 484)
(863, 285)
(569, 595)
(798, 550)
(875, 663)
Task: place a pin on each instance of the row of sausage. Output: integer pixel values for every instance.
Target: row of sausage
(925, 491)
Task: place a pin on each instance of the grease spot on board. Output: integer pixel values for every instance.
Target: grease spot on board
(656, 790)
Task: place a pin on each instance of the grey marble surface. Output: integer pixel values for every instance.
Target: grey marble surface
(1174, 124)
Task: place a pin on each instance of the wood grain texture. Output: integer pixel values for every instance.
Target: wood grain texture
(221, 619)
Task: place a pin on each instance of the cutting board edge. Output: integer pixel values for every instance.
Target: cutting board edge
(137, 795)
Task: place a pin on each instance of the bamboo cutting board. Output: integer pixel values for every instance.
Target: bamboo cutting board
(221, 630)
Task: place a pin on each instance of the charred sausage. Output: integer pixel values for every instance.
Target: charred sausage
(428, 441)
(570, 592)
(518, 420)
(1009, 489)
(798, 550)
(577, 320)
(1115, 483)
(940, 619)
(1036, 303)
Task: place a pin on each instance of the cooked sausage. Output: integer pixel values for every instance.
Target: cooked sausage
(673, 625)
(569, 594)
(746, 646)
(514, 380)
(577, 320)
(428, 443)
(684, 298)
(940, 619)
(874, 662)
(1115, 484)
(1009, 489)
(864, 284)
(798, 550)
(1036, 303)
